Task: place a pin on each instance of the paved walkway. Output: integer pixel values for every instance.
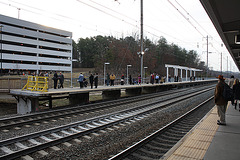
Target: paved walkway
(209, 141)
(226, 142)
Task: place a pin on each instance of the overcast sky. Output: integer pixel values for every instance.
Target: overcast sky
(182, 22)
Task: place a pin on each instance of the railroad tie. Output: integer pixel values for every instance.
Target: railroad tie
(82, 128)
(6, 150)
(96, 124)
(65, 132)
(33, 141)
(20, 145)
(56, 136)
(46, 139)
(75, 130)
(90, 126)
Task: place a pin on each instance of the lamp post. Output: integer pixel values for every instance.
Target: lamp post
(72, 60)
(127, 71)
(141, 52)
(145, 71)
(1, 48)
(105, 72)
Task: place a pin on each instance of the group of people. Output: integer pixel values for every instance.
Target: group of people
(157, 78)
(235, 85)
(57, 78)
(221, 101)
(92, 79)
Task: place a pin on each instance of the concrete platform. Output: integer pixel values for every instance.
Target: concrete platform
(226, 142)
(209, 141)
(28, 101)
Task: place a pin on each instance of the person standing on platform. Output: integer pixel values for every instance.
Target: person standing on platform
(96, 80)
(236, 93)
(157, 78)
(46, 74)
(220, 102)
(108, 79)
(130, 79)
(91, 79)
(80, 80)
(152, 78)
(139, 79)
(61, 79)
(112, 78)
(230, 83)
(55, 79)
(122, 79)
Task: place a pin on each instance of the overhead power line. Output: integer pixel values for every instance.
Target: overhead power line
(185, 18)
(106, 13)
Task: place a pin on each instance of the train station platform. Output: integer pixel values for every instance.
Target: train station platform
(28, 101)
(209, 141)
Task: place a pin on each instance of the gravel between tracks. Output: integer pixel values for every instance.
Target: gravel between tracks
(59, 122)
(112, 142)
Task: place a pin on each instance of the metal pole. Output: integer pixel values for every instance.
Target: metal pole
(167, 75)
(207, 56)
(141, 41)
(104, 75)
(71, 65)
(19, 12)
(71, 73)
(221, 63)
(1, 49)
(227, 66)
(127, 74)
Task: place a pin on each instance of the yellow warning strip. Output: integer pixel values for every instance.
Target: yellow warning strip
(194, 145)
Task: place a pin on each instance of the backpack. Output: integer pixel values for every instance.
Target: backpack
(227, 93)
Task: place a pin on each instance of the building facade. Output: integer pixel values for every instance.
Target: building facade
(27, 46)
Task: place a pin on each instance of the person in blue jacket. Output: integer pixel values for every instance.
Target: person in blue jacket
(80, 80)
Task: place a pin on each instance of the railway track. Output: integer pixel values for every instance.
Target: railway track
(26, 144)
(160, 142)
(29, 119)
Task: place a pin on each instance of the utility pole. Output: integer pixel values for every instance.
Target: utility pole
(207, 53)
(227, 66)
(221, 63)
(19, 12)
(141, 52)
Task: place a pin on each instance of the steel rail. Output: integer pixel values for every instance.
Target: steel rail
(6, 123)
(87, 126)
(136, 146)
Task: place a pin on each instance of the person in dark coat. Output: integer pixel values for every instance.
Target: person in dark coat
(85, 82)
(91, 79)
(61, 80)
(96, 80)
(130, 79)
(55, 79)
(108, 79)
(236, 93)
(220, 102)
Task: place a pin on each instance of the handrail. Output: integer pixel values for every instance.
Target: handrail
(37, 83)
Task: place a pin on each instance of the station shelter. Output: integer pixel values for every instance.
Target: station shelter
(181, 68)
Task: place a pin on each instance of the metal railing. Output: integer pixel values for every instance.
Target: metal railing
(36, 83)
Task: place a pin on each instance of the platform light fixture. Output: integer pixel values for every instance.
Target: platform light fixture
(145, 71)
(106, 63)
(127, 71)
